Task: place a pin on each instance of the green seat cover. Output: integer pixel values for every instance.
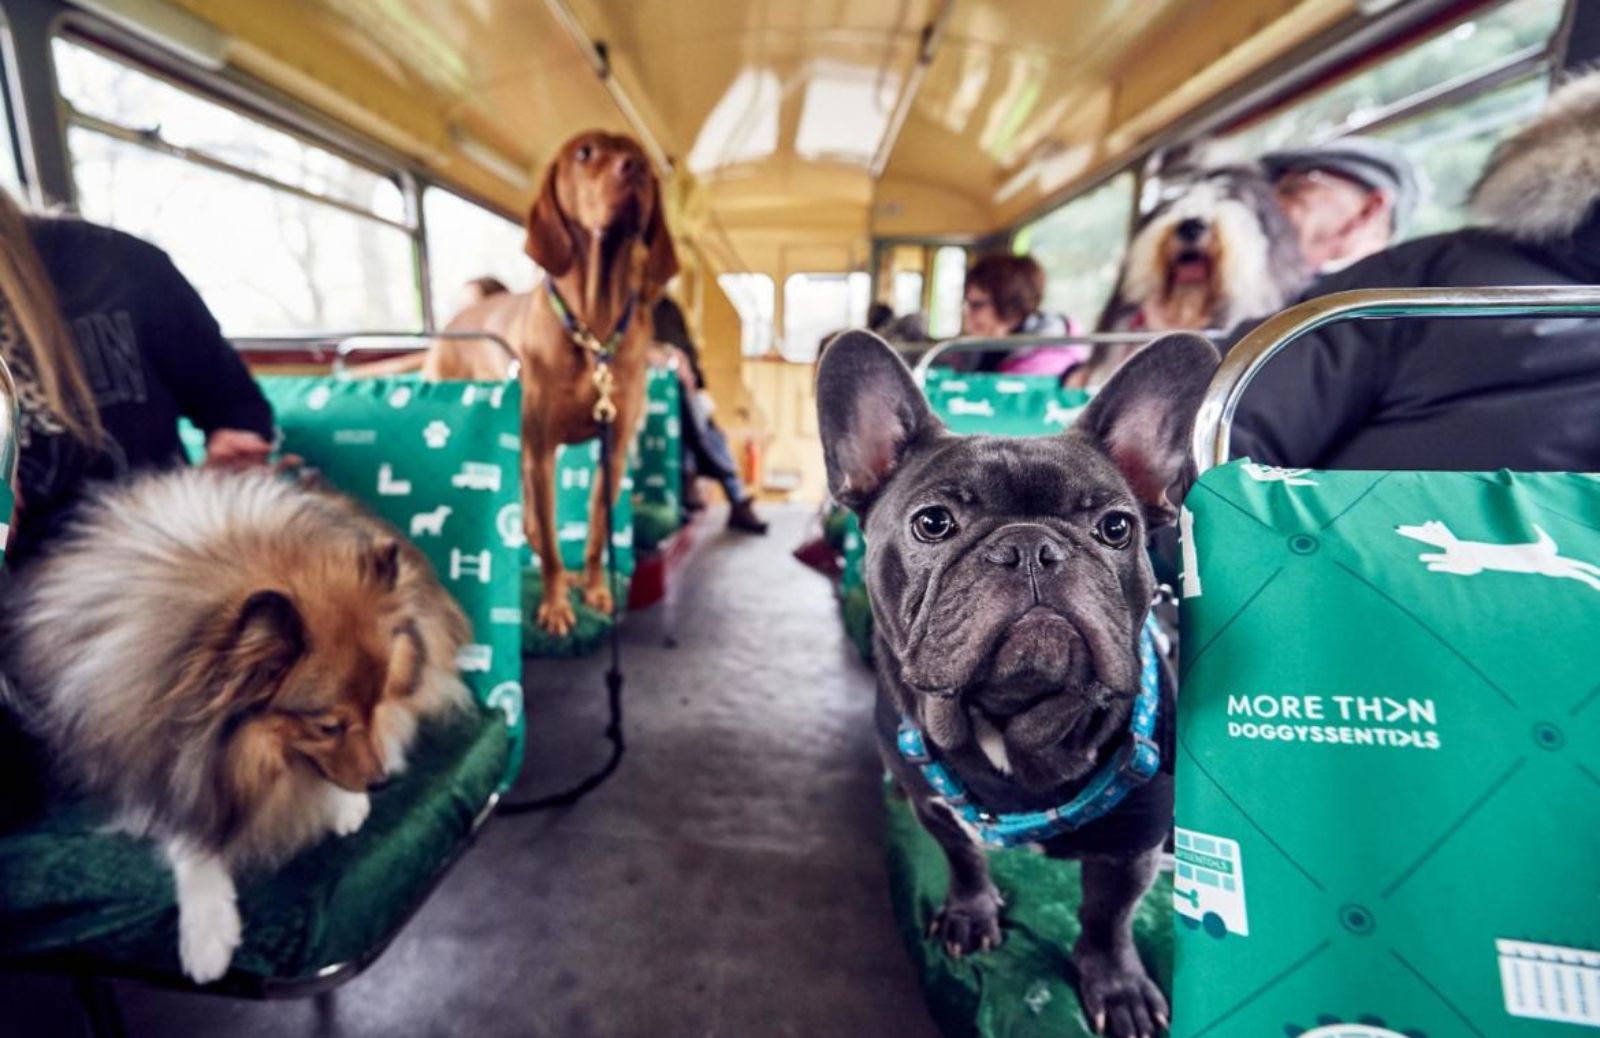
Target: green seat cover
(76, 896)
(1024, 987)
(658, 464)
(439, 462)
(1389, 755)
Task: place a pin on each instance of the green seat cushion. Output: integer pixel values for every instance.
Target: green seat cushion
(1024, 987)
(1388, 768)
(653, 523)
(105, 900)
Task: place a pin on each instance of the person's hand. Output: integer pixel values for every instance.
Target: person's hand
(236, 450)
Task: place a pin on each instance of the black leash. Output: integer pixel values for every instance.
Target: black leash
(605, 413)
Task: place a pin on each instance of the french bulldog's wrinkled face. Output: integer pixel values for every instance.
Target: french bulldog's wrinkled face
(1008, 577)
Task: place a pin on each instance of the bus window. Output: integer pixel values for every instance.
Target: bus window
(949, 281)
(467, 241)
(1451, 143)
(1080, 246)
(816, 306)
(754, 298)
(327, 246)
(906, 292)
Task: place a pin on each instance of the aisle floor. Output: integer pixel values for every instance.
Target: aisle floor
(728, 881)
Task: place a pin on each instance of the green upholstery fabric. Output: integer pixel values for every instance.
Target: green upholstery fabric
(993, 405)
(107, 900)
(658, 465)
(1024, 987)
(1389, 754)
(1002, 405)
(439, 461)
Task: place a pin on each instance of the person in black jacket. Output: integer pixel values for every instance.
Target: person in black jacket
(1459, 394)
(110, 318)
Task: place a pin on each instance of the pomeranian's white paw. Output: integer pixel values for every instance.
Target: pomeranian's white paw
(208, 914)
(348, 812)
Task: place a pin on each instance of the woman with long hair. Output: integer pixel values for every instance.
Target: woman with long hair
(109, 345)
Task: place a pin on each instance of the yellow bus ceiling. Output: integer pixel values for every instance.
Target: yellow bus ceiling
(772, 111)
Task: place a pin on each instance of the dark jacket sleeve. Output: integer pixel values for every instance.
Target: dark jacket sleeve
(205, 374)
(1321, 388)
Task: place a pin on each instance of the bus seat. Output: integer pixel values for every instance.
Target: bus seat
(1023, 988)
(969, 403)
(425, 457)
(1388, 769)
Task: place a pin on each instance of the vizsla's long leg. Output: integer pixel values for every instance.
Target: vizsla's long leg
(539, 520)
(596, 588)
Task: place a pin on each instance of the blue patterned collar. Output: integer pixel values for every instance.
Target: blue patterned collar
(1131, 767)
(581, 333)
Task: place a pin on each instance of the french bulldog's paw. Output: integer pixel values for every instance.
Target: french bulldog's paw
(557, 616)
(348, 812)
(1119, 997)
(969, 924)
(597, 596)
(208, 932)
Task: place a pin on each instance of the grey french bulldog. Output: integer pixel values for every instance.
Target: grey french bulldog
(1009, 587)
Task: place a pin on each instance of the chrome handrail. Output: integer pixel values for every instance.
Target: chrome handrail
(968, 344)
(1213, 426)
(343, 344)
(10, 429)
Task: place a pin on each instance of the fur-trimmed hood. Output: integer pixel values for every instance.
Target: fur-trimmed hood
(1542, 184)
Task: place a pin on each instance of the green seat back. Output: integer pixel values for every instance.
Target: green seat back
(658, 471)
(438, 460)
(1389, 755)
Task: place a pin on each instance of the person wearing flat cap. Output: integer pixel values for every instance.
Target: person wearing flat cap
(1347, 198)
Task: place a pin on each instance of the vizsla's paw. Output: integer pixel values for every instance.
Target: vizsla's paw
(1119, 997)
(968, 925)
(597, 596)
(557, 616)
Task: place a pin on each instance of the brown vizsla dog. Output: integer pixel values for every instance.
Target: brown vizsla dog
(597, 231)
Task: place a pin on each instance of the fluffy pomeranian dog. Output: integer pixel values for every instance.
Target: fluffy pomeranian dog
(1219, 252)
(230, 663)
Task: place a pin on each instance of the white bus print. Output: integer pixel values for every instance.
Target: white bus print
(1208, 887)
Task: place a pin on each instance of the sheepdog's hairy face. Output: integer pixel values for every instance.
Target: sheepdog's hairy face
(1220, 252)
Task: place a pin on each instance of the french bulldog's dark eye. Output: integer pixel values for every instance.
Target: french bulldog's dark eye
(933, 524)
(1114, 530)
(585, 152)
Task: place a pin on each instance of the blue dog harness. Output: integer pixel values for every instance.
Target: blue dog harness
(1131, 767)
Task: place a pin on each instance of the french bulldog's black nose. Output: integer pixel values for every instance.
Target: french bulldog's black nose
(1028, 547)
(1191, 230)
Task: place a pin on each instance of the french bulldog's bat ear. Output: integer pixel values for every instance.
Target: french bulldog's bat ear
(869, 410)
(1143, 417)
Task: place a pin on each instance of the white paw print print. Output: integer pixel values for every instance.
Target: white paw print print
(436, 434)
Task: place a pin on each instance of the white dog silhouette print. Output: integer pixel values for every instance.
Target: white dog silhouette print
(1469, 558)
(1273, 474)
(430, 523)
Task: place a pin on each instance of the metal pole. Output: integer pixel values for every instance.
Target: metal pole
(1213, 427)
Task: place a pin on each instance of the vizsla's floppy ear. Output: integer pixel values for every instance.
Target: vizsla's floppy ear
(661, 263)
(869, 411)
(549, 242)
(1143, 417)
